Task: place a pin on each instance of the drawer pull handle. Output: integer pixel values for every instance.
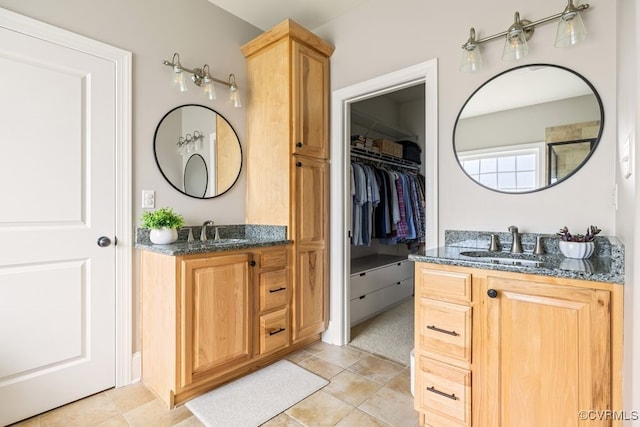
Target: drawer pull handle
(362, 297)
(277, 331)
(442, 393)
(276, 290)
(362, 274)
(444, 331)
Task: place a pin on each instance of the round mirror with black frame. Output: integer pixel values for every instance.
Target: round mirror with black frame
(197, 151)
(528, 128)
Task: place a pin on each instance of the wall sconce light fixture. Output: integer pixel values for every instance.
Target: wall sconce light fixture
(190, 143)
(202, 78)
(571, 31)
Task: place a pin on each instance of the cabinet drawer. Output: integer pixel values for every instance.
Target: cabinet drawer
(378, 278)
(398, 291)
(273, 258)
(444, 285)
(365, 306)
(445, 329)
(445, 393)
(274, 331)
(274, 289)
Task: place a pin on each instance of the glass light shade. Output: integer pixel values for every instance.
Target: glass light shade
(470, 60)
(515, 46)
(208, 90)
(179, 80)
(234, 97)
(571, 30)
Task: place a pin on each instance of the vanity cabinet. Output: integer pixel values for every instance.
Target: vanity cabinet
(497, 348)
(215, 315)
(209, 318)
(287, 158)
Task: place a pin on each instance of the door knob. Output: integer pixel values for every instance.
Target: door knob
(492, 293)
(104, 241)
(299, 144)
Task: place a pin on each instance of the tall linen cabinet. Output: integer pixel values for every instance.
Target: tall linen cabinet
(287, 158)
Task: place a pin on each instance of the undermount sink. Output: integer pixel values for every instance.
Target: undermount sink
(504, 258)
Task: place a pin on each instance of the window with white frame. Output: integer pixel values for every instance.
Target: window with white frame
(515, 168)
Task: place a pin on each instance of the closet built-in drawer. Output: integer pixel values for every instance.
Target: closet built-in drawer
(274, 289)
(377, 278)
(444, 285)
(445, 395)
(445, 330)
(366, 305)
(274, 331)
(273, 258)
(398, 291)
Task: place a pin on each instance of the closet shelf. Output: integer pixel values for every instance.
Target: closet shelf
(374, 124)
(362, 153)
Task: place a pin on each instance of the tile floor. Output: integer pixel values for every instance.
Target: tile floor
(364, 391)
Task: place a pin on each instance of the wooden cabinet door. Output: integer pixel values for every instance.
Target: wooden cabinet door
(547, 353)
(310, 308)
(310, 97)
(215, 315)
(311, 195)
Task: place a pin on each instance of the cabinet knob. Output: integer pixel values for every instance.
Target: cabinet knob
(492, 293)
(298, 144)
(252, 263)
(299, 164)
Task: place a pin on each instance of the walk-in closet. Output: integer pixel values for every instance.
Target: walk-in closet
(388, 218)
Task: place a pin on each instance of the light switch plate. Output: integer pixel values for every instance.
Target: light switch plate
(148, 199)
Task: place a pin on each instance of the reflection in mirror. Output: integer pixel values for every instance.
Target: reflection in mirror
(196, 176)
(528, 128)
(197, 151)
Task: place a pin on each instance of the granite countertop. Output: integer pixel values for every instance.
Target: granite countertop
(232, 237)
(605, 265)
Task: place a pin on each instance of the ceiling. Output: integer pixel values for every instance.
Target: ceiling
(264, 14)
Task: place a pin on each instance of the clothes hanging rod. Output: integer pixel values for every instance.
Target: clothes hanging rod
(377, 157)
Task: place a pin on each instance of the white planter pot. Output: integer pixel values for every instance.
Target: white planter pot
(577, 250)
(163, 236)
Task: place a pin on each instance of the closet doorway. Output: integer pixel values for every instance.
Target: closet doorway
(387, 197)
(399, 106)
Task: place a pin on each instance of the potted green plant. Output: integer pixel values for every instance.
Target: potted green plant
(164, 224)
(578, 246)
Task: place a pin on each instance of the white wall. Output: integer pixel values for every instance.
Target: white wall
(382, 36)
(627, 228)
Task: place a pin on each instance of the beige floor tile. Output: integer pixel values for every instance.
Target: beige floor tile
(115, 421)
(130, 397)
(29, 422)
(401, 382)
(282, 420)
(391, 407)
(155, 414)
(357, 418)
(192, 421)
(298, 356)
(318, 347)
(351, 388)
(319, 410)
(89, 411)
(342, 356)
(321, 367)
(376, 369)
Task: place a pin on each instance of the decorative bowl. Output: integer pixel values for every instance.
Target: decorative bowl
(163, 236)
(577, 250)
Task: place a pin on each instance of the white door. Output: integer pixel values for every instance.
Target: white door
(57, 198)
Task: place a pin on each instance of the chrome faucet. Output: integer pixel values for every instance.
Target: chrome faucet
(203, 231)
(516, 245)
